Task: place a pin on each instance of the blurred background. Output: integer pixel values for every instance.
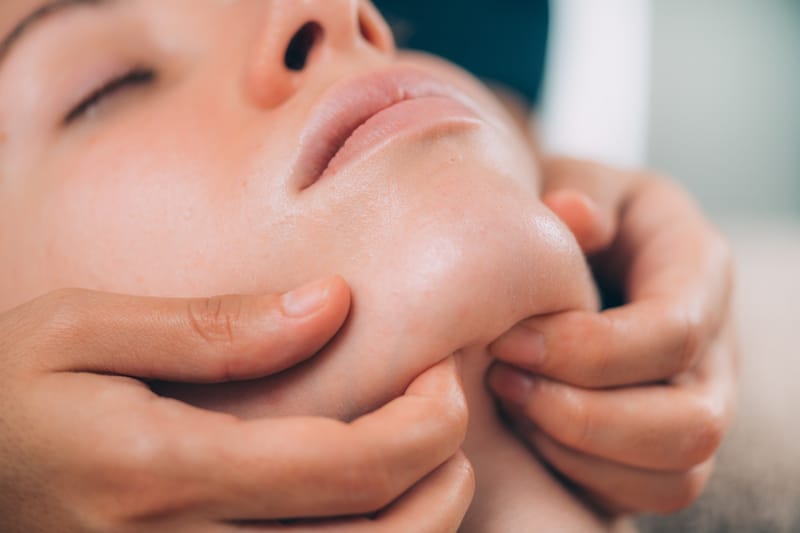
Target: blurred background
(725, 119)
(708, 92)
(725, 102)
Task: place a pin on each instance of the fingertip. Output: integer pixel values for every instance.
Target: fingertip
(316, 311)
(467, 470)
(339, 289)
(442, 377)
(310, 299)
(451, 486)
(280, 331)
(592, 227)
(522, 346)
(339, 299)
(511, 385)
(462, 474)
(442, 382)
(458, 473)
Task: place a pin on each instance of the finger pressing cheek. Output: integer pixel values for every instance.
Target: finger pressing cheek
(643, 342)
(593, 227)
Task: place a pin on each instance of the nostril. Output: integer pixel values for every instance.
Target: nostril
(368, 31)
(374, 30)
(301, 45)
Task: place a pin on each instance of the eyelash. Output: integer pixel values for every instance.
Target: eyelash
(133, 78)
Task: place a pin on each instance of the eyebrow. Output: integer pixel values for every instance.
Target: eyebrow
(38, 15)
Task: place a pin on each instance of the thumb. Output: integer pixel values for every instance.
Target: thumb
(202, 340)
(589, 197)
(593, 227)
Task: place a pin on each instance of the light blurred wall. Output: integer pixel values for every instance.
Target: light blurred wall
(597, 86)
(726, 102)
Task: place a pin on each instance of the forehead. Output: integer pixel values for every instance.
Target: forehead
(13, 11)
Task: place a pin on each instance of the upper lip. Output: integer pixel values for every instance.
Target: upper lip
(349, 104)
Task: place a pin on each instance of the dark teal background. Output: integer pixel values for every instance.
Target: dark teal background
(502, 41)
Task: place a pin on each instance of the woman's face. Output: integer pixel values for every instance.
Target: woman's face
(200, 147)
(196, 147)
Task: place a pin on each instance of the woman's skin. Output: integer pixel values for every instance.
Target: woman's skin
(119, 200)
(667, 347)
(190, 183)
(88, 447)
(187, 185)
(674, 269)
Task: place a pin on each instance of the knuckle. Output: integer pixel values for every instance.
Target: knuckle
(603, 349)
(214, 319)
(584, 351)
(576, 427)
(382, 492)
(142, 490)
(450, 413)
(63, 316)
(454, 415)
(706, 436)
(467, 480)
(64, 310)
(133, 491)
(143, 454)
(370, 484)
(570, 356)
(360, 475)
(688, 487)
(689, 328)
(574, 332)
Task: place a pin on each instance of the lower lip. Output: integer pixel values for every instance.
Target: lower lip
(403, 120)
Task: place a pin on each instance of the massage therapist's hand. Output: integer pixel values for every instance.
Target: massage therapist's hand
(85, 444)
(629, 404)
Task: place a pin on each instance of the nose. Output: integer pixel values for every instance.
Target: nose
(296, 35)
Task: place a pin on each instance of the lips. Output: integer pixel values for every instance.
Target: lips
(362, 114)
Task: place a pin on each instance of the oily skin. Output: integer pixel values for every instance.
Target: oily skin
(123, 202)
(182, 189)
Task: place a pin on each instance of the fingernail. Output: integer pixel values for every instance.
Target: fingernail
(522, 346)
(535, 343)
(511, 385)
(307, 299)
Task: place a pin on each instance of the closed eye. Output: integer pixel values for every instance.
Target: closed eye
(133, 78)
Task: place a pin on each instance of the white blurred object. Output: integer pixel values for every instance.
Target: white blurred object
(596, 89)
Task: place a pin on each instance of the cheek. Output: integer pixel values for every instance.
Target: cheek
(160, 221)
(429, 283)
(457, 273)
(449, 271)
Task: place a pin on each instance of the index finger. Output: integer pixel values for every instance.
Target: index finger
(639, 343)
